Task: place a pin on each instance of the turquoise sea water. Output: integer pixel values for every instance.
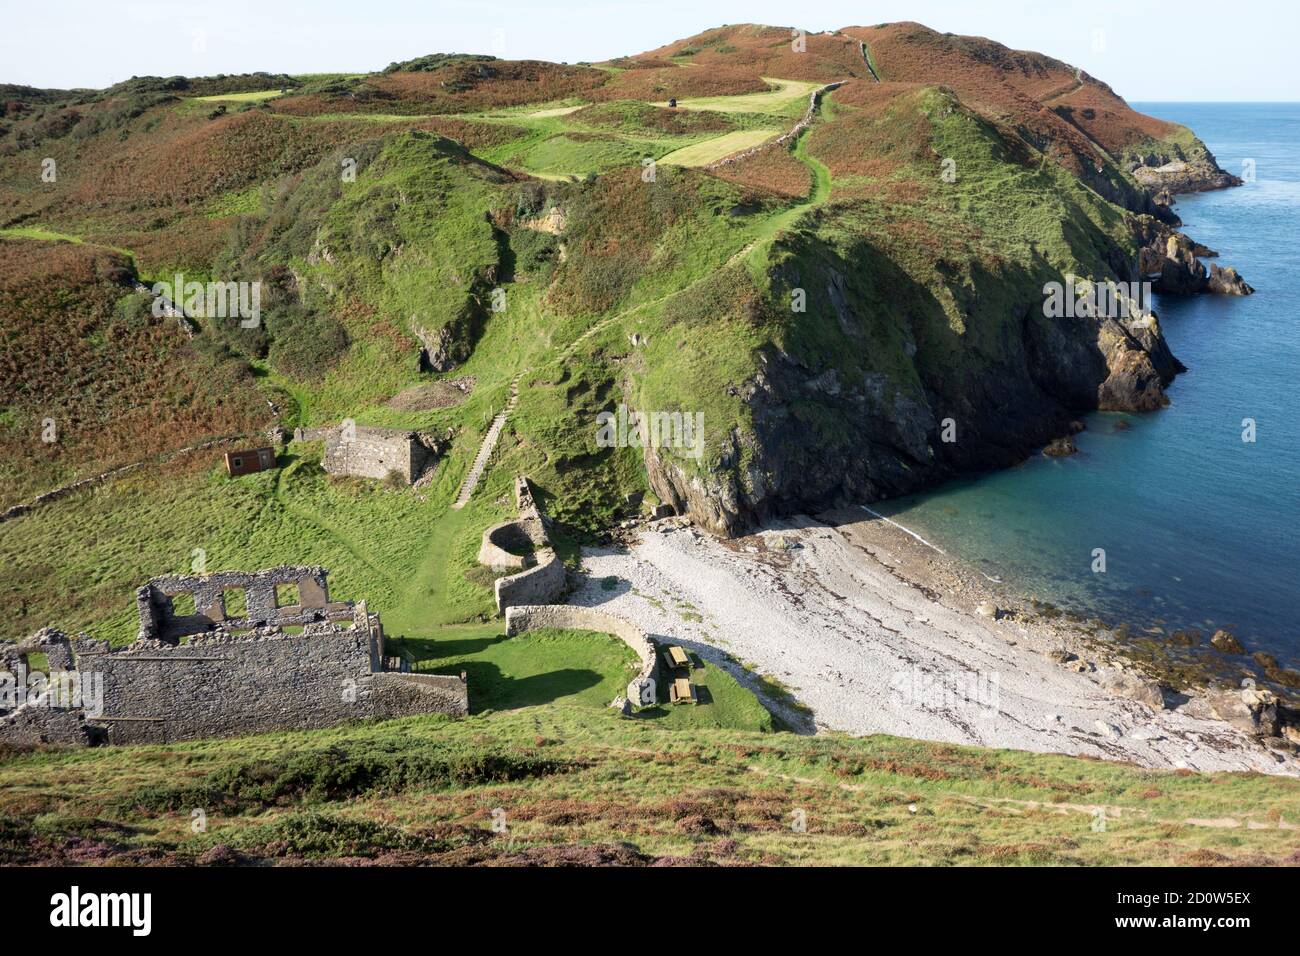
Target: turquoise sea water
(1199, 528)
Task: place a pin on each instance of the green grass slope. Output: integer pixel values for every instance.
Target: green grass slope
(573, 782)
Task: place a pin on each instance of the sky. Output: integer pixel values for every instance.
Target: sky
(1146, 50)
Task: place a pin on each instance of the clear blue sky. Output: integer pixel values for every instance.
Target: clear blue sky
(1191, 50)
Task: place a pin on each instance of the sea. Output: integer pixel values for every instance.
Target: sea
(1194, 509)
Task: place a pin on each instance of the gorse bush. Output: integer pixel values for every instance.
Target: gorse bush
(336, 774)
(317, 834)
(536, 253)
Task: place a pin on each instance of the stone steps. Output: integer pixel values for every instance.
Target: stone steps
(485, 450)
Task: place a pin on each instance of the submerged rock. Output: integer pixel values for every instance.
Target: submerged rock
(1226, 642)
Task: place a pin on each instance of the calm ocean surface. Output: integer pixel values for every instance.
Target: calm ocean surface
(1199, 528)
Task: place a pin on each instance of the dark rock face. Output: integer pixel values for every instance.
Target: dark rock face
(1181, 273)
(1226, 282)
(905, 379)
(967, 412)
(1174, 260)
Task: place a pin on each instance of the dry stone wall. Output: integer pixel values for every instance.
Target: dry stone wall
(543, 578)
(232, 675)
(644, 687)
(788, 136)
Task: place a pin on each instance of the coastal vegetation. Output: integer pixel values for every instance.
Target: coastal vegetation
(824, 304)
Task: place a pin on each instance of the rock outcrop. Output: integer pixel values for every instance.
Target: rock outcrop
(1173, 259)
(1250, 710)
(1200, 174)
(1226, 282)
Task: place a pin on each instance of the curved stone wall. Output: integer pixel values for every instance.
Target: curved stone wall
(643, 688)
(493, 555)
(540, 584)
(502, 542)
(540, 577)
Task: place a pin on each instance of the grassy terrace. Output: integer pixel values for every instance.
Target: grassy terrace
(711, 150)
(789, 98)
(258, 96)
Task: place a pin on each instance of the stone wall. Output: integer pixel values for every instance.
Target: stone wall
(233, 676)
(404, 695)
(220, 685)
(33, 725)
(643, 688)
(540, 584)
(789, 135)
(366, 452)
(543, 578)
(507, 547)
(155, 601)
(45, 720)
(16, 511)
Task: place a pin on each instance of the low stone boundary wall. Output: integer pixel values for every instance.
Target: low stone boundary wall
(17, 511)
(643, 688)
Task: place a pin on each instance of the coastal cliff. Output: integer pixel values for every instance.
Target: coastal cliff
(928, 348)
(865, 302)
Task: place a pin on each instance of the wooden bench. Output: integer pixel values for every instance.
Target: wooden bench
(676, 656)
(682, 692)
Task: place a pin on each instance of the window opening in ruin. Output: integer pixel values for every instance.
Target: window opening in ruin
(286, 595)
(183, 605)
(236, 606)
(236, 463)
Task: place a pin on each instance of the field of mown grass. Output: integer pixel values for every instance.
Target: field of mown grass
(701, 154)
(255, 96)
(783, 98)
(574, 782)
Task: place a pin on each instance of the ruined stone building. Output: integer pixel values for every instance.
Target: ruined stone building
(365, 452)
(224, 654)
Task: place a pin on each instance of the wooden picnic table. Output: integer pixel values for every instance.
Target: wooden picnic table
(683, 691)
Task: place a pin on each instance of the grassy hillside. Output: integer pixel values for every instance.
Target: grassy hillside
(384, 213)
(432, 236)
(114, 383)
(568, 781)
